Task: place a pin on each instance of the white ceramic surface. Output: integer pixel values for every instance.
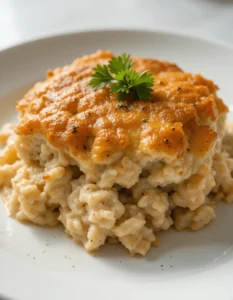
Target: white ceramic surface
(23, 20)
(38, 263)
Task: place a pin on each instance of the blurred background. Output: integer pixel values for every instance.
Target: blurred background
(22, 20)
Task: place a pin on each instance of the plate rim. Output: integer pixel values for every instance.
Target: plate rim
(160, 31)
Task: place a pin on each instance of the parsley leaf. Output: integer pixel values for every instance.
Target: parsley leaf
(120, 63)
(143, 85)
(101, 77)
(122, 79)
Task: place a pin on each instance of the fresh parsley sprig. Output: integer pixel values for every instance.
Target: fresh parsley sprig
(122, 79)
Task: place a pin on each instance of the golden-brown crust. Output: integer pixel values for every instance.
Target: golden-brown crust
(90, 123)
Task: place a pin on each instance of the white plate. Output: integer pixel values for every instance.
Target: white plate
(38, 263)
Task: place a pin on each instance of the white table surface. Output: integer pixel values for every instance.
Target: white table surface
(22, 20)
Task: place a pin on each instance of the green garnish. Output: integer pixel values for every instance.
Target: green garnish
(123, 105)
(144, 120)
(122, 79)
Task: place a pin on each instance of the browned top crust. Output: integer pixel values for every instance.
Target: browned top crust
(90, 124)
